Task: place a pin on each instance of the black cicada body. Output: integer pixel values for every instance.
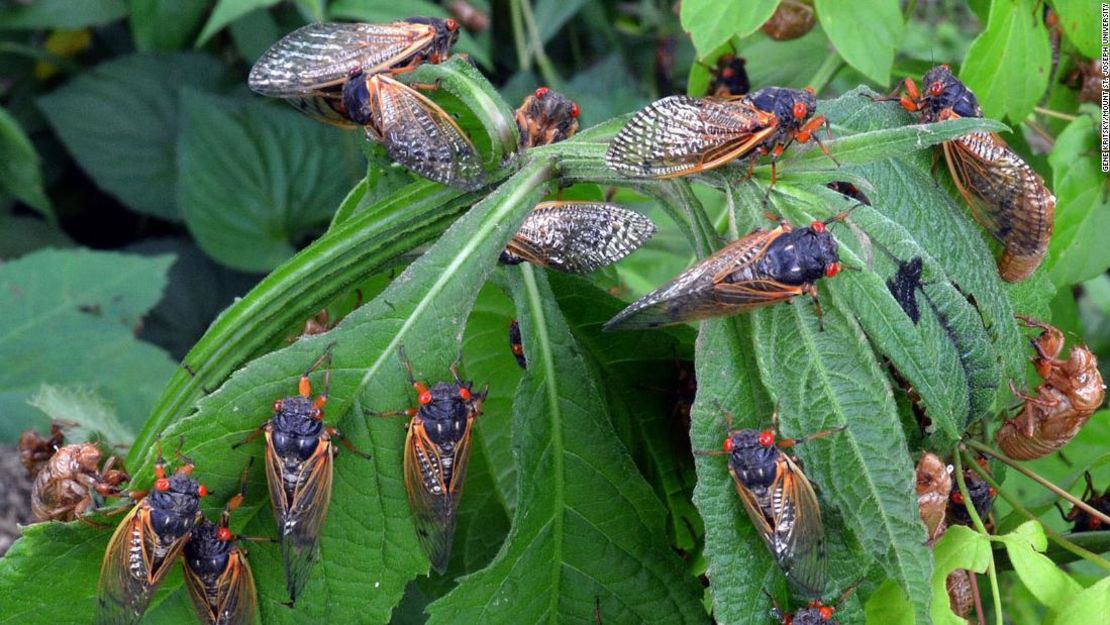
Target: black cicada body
(546, 117)
(1085, 521)
(516, 344)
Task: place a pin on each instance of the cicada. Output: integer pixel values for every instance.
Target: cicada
(516, 344)
(781, 503)
(791, 20)
(309, 66)
(903, 287)
(1071, 392)
(982, 497)
(680, 136)
(577, 237)
(759, 269)
(217, 573)
(850, 190)
(729, 78)
(1085, 521)
(299, 461)
(146, 544)
(1006, 196)
(437, 449)
(934, 484)
(66, 485)
(546, 117)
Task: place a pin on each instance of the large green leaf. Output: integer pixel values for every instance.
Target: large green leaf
(711, 23)
(165, 25)
(587, 528)
(61, 13)
(865, 33)
(258, 179)
(120, 121)
(1082, 207)
(71, 321)
(226, 12)
(20, 169)
(1076, 18)
(1014, 38)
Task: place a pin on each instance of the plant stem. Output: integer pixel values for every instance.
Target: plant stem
(1052, 534)
(1040, 480)
(523, 59)
(1056, 114)
(992, 573)
(826, 71)
(547, 69)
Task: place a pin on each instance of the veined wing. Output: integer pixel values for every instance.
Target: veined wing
(232, 599)
(320, 56)
(432, 500)
(134, 564)
(579, 237)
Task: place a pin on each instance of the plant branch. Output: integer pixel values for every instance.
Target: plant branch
(992, 572)
(1056, 114)
(523, 59)
(547, 69)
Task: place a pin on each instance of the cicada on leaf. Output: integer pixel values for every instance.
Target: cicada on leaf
(300, 453)
(680, 135)
(217, 574)
(781, 503)
(577, 237)
(1006, 196)
(146, 544)
(761, 268)
(437, 450)
(546, 117)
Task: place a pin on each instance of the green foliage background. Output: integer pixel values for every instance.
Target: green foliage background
(153, 211)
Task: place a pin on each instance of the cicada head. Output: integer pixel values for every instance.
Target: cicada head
(816, 613)
(174, 505)
(753, 457)
(208, 549)
(445, 409)
(546, 117)
(792, 107)
(940, 90)
(802, 256)
(447, 33)
(296, 427)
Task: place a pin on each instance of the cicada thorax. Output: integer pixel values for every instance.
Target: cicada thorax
(759, 269)
(516, 344)
(728, 77)
(934, 485)
(1071, 392)
(982, 498)
(782, 505)
(145, 546)
(66, 485)
(1005, 195)
(546, 117)
(577, 237)
(1084, 521)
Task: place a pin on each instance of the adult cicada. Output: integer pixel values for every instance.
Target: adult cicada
(1006, 196)
(982, 498)
(780, 501)
(1085, 521)
(217, 573)
(1071, 392)
(546, 117)
(300, 455)
(437, 449)
(759, 269)
(147, 543)
(728, 78)
(680, 135)
(577, 237)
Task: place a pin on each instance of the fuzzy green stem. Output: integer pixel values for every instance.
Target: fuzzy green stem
(992, 572)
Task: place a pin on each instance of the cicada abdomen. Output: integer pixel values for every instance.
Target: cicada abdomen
(577, 237)
(1006, 196)
(1071, 392)
(146, 544)
(1084, 521)
(961, 592)
(759, 269)
(546, 117)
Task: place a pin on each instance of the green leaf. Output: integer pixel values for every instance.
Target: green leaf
(165, 25)
(226, 12)
(23, 234)
(1050, 585)
(257, 179)
(95, 418)
(586, 526)
(20, 169)
(61, 14)
(1082, 207)
(711, 23)
(120, 121)
(959, 548)
(1089, 606)
(72, 315)
(1015, 38)
(1077, 18)
(552, 15)
(865, 33)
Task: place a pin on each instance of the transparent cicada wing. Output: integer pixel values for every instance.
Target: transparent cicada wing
(134, 563)
(433, 499)
(228, 600)
(420, 135)
(799, 532)
(321, 56)
(679, 135)
(579, 237)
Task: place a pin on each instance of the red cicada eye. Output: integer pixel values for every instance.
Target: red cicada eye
(202, 490)
(832, 270)
(161, 484)
(819, 227)
(728, 444)
(464, 393)
(991, 491)
(223, 534)
(936, 88)
(574, 110)
(451, 25)
(424, 398)
(826, 612)
(1095, 523)
(541, 92)
(767, 438)
(800, 110)
(958, 498)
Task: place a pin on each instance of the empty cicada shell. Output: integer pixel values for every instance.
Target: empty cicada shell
(546, 117)
(792, 19)
(1071, 392)
(35, 451)
(934, 484)
(66, 485)
(577, 237)
(1006, 196)
(961, 591)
